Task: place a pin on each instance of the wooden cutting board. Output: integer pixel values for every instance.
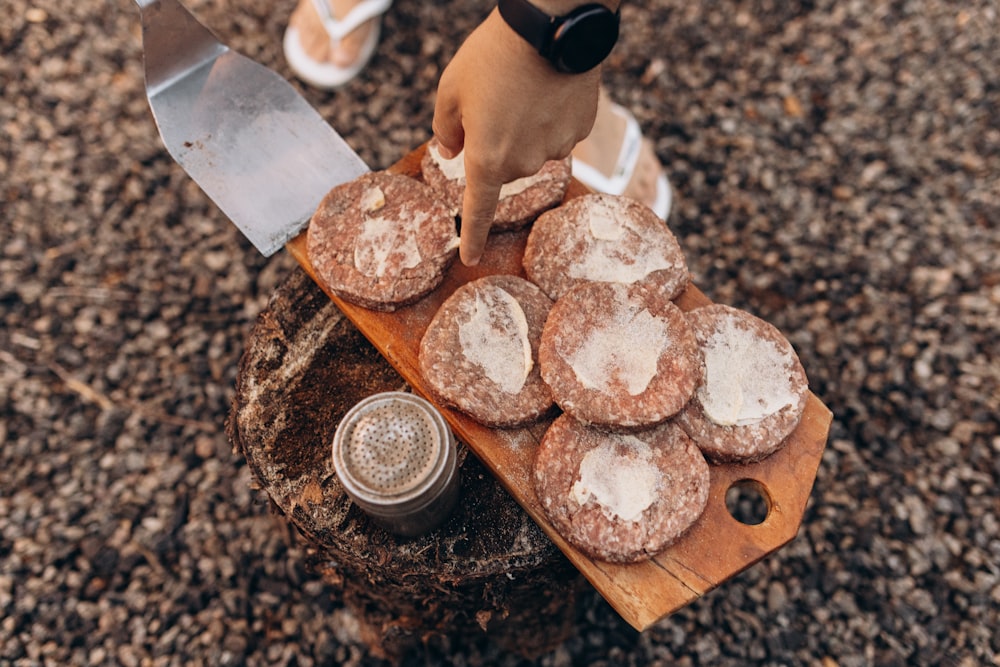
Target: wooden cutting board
(715, 549)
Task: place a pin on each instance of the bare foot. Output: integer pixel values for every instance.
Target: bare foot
(316, 41)
(601, 148)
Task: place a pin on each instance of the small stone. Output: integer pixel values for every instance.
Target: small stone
(777, 597)
(793, 107)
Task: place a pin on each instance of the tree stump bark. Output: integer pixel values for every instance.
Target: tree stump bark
(489, 568)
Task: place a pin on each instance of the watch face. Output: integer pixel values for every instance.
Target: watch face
(584, 39)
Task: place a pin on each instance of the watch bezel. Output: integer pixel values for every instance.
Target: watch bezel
(577, 18)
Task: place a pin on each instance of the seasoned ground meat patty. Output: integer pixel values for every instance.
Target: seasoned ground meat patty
(479, 353)
(604, 238)
(620, 497)
(755, 388)
(382, 240)
(619, 357)
(520, 202)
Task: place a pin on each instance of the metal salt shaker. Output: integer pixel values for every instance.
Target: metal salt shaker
(395, 456)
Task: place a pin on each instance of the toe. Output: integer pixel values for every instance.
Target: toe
(316, 41)
(346, 52)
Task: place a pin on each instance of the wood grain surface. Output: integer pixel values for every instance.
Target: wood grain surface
(715, 549)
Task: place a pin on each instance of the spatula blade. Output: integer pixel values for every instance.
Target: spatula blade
(252, 143)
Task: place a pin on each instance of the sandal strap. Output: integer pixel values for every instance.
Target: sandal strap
(628, 157)
(628, 153)
(342, 27)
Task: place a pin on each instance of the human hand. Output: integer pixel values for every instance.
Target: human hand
(511, 111)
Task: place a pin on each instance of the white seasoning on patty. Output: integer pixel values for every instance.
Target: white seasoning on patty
(625, 348)
(495, 336)
(624, 486)
(746, 376)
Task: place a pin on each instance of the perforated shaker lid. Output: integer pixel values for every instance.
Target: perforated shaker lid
(391, 448)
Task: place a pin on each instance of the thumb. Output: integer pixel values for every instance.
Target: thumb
(447, 127)
(478, 207)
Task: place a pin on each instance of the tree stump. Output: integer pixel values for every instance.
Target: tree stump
(489, 568)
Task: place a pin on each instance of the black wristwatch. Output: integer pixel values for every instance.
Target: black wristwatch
(573, 43)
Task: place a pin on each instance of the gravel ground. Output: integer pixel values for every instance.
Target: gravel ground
(837, 172)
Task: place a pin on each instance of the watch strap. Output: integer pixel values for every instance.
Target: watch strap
(528, 21)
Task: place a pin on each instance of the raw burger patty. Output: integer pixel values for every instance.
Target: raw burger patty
(620, 497)
(479, 353)
(606, 238)
(755, 388)
(381, 241)
(520, 202)
(619, 357)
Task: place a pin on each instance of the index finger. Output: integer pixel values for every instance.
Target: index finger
(479, 204)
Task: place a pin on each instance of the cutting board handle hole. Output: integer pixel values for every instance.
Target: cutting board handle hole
(748, 502)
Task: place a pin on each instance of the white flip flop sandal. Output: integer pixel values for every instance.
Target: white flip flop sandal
(326, 75)
(628, 158)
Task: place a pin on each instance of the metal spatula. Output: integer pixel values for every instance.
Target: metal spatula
(241, 131)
